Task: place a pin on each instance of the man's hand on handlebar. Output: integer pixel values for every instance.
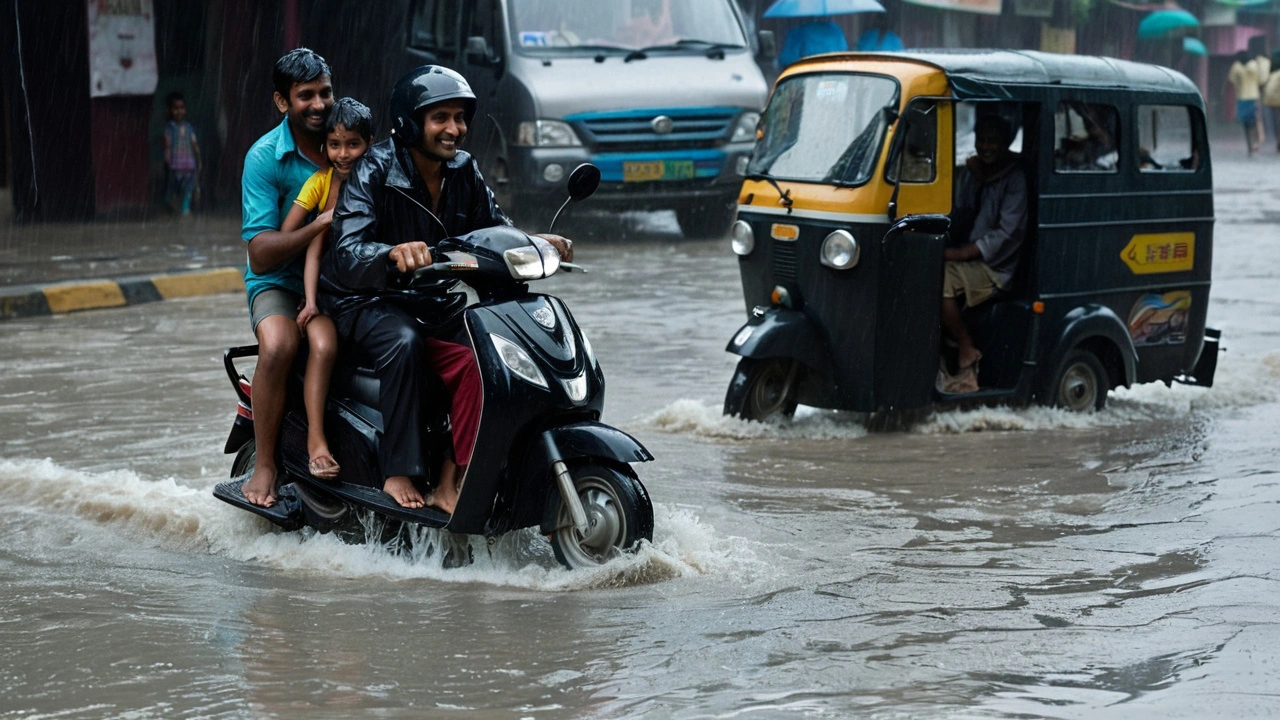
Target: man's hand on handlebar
(410, 256)
(563, 245)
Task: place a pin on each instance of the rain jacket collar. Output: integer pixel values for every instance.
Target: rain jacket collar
(397, 176)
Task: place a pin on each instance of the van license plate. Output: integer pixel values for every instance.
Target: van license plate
(647, 171)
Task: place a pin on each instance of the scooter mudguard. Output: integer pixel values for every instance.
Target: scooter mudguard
(582, 440)
(781, 332)
(286, 512)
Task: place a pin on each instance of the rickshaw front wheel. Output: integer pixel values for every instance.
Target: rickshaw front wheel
(1081, 384)
(762, 388)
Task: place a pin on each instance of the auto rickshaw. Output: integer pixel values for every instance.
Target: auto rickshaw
(844, 216)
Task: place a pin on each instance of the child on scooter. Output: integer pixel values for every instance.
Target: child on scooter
(349, 132)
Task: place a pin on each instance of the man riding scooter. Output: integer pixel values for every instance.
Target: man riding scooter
(405, 196)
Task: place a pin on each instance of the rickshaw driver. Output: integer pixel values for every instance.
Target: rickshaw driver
(989, 221)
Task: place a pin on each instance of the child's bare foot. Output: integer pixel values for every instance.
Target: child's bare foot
(401, 489)
(322, 464)
(261, 487)
(968, 356)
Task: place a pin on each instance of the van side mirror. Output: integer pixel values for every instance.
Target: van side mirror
(768, 43)
(478, 51)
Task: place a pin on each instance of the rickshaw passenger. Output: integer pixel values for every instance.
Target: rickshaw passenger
(989, 223)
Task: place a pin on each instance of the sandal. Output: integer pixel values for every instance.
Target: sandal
(323, 466)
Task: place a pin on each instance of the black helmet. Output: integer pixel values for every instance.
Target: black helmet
(423, 86)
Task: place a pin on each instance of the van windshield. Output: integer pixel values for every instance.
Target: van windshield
(825, 128)
(566, 27)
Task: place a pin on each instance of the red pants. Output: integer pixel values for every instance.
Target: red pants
(456, 366)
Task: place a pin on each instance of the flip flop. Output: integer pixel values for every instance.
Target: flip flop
(324, 467)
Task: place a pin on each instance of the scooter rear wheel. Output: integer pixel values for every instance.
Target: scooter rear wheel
(619, 515)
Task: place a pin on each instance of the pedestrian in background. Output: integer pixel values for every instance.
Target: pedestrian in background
(181, 156)
(880, 37)
(812, 38)
(1271, 97)
(1243, 76)
(1262, 64)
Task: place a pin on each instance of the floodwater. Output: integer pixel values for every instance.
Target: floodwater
(993, 563)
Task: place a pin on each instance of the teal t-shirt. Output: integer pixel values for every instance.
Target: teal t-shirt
(274, 173)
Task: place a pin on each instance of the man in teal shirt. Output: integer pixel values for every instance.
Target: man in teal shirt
(275, 169)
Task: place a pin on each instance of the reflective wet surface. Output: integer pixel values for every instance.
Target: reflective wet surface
(989, 563)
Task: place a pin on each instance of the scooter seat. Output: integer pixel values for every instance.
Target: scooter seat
(356, 383)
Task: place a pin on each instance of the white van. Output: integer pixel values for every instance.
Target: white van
(662, 95)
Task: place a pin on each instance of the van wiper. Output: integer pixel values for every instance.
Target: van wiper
(784, 196)
(713, 49)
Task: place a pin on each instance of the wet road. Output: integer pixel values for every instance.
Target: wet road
(993, 563)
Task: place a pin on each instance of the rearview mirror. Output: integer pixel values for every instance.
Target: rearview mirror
(768, 43)
(583, 181)
(478, 52)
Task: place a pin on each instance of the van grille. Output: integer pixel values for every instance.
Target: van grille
(633, 129)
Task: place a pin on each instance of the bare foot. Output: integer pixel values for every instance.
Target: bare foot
(261, 488)
(445, 495)
(401, 489)
(968, 356)
(322, 464)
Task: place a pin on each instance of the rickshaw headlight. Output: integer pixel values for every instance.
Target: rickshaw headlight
(840, 250)
(743, 239)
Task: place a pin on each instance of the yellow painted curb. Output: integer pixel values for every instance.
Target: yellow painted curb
(199, 283)
(83, 296)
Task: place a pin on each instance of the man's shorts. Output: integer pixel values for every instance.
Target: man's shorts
(1247, 111)
(273, 301)
(972, 279)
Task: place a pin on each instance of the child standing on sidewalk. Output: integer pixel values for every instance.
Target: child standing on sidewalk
(181, 155)
(349, 134)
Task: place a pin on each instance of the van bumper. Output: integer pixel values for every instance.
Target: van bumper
(537, 175)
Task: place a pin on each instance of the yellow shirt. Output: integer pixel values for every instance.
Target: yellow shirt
(314, 194)
(1244, 76)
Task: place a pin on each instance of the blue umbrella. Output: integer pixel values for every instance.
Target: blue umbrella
(1164, 23)
(1193, 46)
(819, 8)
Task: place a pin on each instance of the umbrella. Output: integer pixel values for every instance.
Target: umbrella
(1193, 46)
(819, 8)
(1164, 23)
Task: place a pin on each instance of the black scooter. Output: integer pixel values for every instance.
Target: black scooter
(541, 456)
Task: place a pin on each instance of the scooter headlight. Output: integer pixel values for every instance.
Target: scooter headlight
(743, 239)
(518, 361)
(840, 250)
(531, 262)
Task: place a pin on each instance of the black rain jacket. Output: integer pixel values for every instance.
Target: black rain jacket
(385, 203)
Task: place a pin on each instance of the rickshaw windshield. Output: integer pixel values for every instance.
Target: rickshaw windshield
(825, 128)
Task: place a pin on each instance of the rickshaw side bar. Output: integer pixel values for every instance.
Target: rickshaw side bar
(1116, 223)
(1129, 289)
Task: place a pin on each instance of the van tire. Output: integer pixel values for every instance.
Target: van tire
(706, 222)
(1080, 383)
(762, 388)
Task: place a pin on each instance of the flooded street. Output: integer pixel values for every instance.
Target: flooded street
(992, 563)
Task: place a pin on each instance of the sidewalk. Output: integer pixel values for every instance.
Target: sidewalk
(63, 267)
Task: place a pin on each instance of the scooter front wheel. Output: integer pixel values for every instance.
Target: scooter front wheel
(619, 516)
(762, 388)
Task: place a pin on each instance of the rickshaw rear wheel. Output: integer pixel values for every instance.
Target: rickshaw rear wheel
(1080, 384)
(762, 388)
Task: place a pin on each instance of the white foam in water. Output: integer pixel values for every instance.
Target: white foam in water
(167, 514)
(1240, 381)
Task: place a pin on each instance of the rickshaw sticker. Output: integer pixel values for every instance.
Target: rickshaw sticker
(832, 91)
(1160, 253)
(1160, 319)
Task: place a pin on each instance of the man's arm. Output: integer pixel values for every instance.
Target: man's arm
(269, 248)
(359, 260)
(1011, 219)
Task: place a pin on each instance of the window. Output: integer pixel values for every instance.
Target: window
(432, 25)
(966, 118)
(1085, 138)
(1166, 142)
(918, 148)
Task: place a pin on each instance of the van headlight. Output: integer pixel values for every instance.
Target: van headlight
(742, 238)
(840, 250)
(531, 262)
(546, 133)
(518, 361)
(745, 128)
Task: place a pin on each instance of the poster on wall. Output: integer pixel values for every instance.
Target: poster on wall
(985, 7)
(122, 48)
